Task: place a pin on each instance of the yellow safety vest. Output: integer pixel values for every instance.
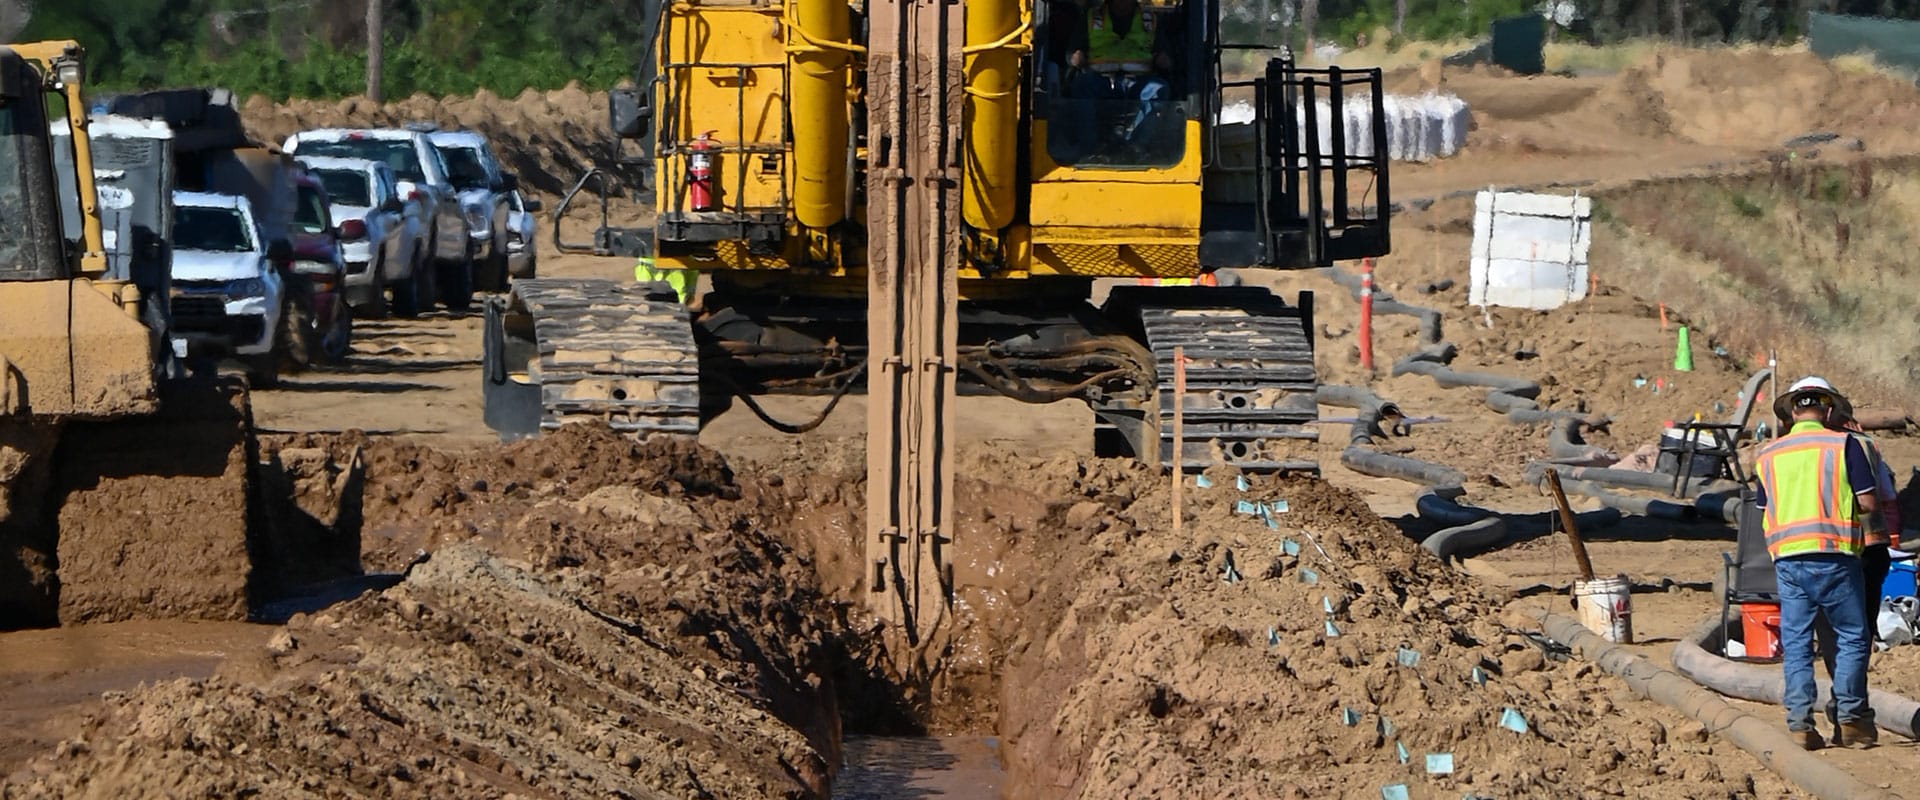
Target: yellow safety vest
(1104, 45)
(682, 280)
(1810, 506)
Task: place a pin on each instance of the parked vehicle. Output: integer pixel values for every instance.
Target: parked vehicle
(422, 177)
(382, 236)
(484, 188)
(522, 255)
(322, 328)
(228, 293)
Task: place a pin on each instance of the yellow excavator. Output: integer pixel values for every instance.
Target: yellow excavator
(918, 200)
(120, 493)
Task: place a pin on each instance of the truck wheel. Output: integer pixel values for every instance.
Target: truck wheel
(410, 293)
(491, 273)
(299, 341)
(376, 305)
(338, 342)
(456, 283)
(263, 370)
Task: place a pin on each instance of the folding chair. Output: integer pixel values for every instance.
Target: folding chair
(1716, 439)
(1749, 569)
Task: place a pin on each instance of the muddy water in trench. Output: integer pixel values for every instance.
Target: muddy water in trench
(902, 768)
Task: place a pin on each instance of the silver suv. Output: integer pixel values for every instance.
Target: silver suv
(423, 178)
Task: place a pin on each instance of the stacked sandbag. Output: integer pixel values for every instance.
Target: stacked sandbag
(1419, 128)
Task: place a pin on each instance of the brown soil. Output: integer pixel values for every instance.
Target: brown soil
(661, 641)
(472, 679)
(548, 138)
(1145, 673)
(598, 613)
(155, 519)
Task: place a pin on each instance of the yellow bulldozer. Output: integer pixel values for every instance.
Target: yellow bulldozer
(122, 494)
(918, 200)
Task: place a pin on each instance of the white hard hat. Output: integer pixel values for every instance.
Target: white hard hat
(1812, 385)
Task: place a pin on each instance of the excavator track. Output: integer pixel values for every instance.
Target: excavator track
(1250, 374)
(561, 351)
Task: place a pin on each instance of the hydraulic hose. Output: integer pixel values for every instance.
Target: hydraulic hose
(1626, 478)
(1385, 465)
(1765, 740)
(1383, 303)
(1766, 683)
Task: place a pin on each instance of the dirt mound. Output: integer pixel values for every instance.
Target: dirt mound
(1229, 662)
(548, 138)
(1756, 98)
(471, 679)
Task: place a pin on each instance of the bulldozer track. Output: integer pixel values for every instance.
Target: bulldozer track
(612, 352)
(1250, 377)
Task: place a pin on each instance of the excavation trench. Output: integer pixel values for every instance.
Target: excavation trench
(597, 614)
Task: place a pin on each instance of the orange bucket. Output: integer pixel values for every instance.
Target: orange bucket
(1760, 629)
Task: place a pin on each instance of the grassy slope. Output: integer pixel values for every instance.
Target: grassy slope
(1815, 261)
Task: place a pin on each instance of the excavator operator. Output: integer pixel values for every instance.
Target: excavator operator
(1119, 60)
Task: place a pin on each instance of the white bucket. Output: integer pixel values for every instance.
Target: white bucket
(1605, 606)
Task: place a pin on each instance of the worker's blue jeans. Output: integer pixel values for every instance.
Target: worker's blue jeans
(1823, 585)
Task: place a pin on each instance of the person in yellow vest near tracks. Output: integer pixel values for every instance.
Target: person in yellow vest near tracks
(683, 281)
(1817, 486)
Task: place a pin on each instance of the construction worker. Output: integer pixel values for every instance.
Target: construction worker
(1882, 526)
(1816, 488)
(682, 281)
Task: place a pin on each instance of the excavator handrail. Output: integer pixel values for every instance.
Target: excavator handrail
(566, 202)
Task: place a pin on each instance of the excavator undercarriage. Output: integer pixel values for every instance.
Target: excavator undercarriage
(908, 200)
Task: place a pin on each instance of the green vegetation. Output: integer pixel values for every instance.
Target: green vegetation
(317, 48)
(1812, 260)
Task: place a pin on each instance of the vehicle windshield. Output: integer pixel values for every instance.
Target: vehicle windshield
(15, 216)
(465, 168)
(345, 186)
(1115, 79)
(396, 153)
(24, 152)
(215, 230)
(311, 213)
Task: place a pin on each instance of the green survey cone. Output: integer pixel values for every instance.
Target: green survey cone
(1683, 353)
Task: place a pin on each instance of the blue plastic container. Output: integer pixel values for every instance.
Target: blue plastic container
(1900, 580)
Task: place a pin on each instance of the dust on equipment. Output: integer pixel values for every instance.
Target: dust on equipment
(916, 201)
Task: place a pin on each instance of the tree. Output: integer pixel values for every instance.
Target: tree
(376, 49)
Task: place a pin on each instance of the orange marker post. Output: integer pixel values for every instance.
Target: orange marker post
(1366, 315)
(1663, 316)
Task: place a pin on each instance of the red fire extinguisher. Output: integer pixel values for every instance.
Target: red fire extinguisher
(700, 173)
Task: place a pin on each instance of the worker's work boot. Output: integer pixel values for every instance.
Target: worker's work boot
(1857, 734)
(1808, 739)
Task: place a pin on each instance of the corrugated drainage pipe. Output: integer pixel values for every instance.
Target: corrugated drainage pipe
(1694, 657)
(1384, 465)
(1766, 741)
(1625, 478)
(1471, 529)
(1643, 506)
(1383, 303)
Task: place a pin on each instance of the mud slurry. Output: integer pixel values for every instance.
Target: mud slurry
(470, 679)
(601, 616)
